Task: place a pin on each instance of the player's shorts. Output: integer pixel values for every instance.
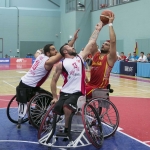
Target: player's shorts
(25, 93)
(67, 100)
(89, 90)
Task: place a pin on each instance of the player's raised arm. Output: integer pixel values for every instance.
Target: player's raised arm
(92, 41)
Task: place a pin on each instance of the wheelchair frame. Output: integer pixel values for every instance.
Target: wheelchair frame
(27, 116)
(49, 139)
(103, 104)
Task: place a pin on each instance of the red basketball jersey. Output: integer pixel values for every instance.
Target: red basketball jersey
(100, 72)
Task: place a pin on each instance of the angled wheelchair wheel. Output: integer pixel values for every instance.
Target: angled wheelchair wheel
(37, 108)
(47, 127)
(108, 114)
(92, 125)
(12, 111)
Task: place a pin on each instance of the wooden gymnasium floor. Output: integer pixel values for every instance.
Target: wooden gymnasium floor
(131, 97)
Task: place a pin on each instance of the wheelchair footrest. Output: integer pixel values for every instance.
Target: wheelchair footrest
(60, 134)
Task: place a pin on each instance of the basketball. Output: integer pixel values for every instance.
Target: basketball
(104, 17)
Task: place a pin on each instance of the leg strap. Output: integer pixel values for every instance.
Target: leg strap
(22, 109)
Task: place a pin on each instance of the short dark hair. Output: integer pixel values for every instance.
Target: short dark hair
(46, 48)
(62, 49)
(142, 53)
(134, 52)
(122, 52)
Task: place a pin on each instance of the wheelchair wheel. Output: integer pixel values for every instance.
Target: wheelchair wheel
(47, 127)
(108, 114)
(92, 125)
(12, 111)
(37, 108)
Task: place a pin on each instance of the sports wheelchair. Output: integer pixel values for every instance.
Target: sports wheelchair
(33, 111)
(94, 120)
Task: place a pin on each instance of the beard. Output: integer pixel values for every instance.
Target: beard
(73, 53)
(104, 51)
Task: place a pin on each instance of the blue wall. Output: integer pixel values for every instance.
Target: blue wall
(34, 4)
(71, 21)
(131, 23)
(8, 30)
(43, 21)
(35, 20)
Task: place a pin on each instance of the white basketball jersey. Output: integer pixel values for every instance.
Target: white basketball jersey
(73, 73)
(37, 74)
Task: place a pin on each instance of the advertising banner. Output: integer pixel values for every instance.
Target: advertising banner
(4, 61)
(23, 61)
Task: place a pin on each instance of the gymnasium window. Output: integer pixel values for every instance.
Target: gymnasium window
(101, 4)
(75, 5)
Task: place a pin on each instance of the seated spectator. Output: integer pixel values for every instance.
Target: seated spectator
(148, 57)
(123, 57)
(142, 58)
(6, 56)
(129, 57)
(134, 57)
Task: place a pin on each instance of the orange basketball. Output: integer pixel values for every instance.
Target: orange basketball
(104, 17)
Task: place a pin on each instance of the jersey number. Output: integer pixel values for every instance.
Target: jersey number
(35, 64)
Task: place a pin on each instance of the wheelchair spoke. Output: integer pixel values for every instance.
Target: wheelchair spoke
(38, 107)
(108, 114)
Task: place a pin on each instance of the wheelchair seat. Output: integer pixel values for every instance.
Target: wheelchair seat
(103, 93)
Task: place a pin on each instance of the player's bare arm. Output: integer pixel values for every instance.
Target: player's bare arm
(71, 43)
(112, 56)
(54, 80)
(52, 60)
(92, 40)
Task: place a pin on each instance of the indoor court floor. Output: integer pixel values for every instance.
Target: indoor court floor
(131, 96)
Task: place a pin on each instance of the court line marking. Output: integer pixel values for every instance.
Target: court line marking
(128, 77)
(134, 138)
(13, 81)
(9, 84)
(131, 83)
(146, 141)
(7, 95)
(38, 143)
(21, 71)
(131, 87)
(4, 100)
(6, 107)
(129, 96)
(15, 69)
(11, 77)
(19, 141)
(119, 129)
(116, 131)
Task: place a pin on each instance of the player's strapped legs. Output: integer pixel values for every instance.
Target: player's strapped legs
(23, 95)
(22, 109)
